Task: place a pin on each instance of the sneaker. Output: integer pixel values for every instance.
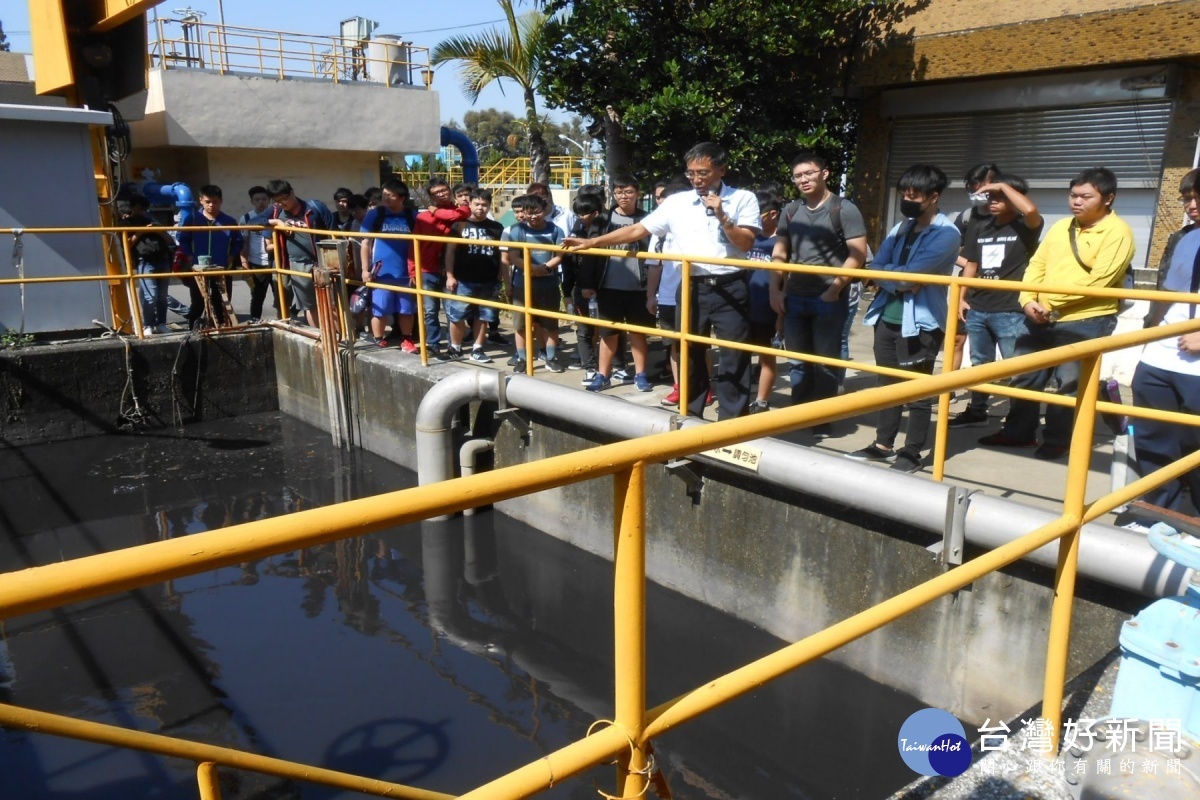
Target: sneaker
(381, 342)
(1002, 439)
(757, 407)
(822, 432)
(553, 365)
(710, 399)
(906, 461)
(873, 452)
(541, 355)
(495, 337)
(452, 354)
(620, 374)
(588, 376)
(479, 357)
(518, 366)
(642, 383)
(254, 321)
(1050, 452)
(672, 398)
(968, 419)
(409, 346)
(599, 383)
(516, 358)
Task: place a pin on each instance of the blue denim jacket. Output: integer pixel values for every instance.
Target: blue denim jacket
(933, 253)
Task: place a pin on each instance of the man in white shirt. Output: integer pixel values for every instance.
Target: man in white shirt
(717, 221)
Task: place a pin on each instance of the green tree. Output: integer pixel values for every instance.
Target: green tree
(4, 46)
(505, 54)
(766, 78)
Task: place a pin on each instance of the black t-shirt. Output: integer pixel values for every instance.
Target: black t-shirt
(477, 263)
(1002, 253)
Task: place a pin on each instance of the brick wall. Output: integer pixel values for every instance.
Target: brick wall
(950, 16)
(1144, 32)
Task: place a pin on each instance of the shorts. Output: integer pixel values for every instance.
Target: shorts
(622, 305)
(761, 334)
(384, 302)
(458, 310)
(302, 288)
(546, 297)
(666, 317)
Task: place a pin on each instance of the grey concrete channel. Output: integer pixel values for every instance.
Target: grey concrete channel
(811, 558)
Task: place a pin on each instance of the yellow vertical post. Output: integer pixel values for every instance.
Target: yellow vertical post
(629, 617)
(132, 288)
(206, 779)
(418, 283)
(943, 419)
(1068, 548)
(685, 319)
(527, 292)
(281, 280)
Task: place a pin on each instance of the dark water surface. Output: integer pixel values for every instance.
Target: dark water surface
(441, 655)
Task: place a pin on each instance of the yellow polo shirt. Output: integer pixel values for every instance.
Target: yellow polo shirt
(1106, 247)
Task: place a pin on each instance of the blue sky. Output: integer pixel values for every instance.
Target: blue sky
(424, 23)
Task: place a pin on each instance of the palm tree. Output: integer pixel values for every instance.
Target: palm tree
(499, 54)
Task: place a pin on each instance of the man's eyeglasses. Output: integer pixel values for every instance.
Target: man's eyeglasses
(629, 193)
(697, 173)
(809, 175)
(280, 199)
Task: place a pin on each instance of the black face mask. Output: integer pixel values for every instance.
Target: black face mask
(910, 208)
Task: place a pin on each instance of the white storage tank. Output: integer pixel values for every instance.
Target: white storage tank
(388, 59)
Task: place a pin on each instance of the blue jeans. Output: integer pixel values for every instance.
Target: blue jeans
(987, 330)
(153, 292)
(433, 306)
(811, 325)
(1023, 416)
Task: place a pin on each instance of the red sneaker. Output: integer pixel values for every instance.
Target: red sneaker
(708, 401)
(671, 399)
(409, 346)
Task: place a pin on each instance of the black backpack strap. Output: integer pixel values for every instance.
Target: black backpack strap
(1075, 246)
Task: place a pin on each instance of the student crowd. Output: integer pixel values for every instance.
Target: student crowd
(1001, 236)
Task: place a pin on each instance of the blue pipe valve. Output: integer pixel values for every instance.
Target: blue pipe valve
(1159, 677)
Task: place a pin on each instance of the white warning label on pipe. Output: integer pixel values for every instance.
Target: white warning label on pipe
(737, 454)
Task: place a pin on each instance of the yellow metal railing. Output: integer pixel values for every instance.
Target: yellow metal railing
(633, 727)
(565, 171)
(189, 44)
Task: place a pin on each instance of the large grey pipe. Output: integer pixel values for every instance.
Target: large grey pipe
(1111, 555)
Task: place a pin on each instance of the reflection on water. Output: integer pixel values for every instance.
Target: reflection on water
(440, 655)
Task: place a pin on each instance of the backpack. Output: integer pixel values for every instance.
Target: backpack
(409, 215)
(835, 216)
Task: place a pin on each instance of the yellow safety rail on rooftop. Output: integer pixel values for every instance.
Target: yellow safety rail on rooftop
(191, 44)
(633, 725)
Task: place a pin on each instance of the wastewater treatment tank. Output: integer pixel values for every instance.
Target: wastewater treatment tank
(440, 655)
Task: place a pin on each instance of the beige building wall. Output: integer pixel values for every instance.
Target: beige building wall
(314, 176)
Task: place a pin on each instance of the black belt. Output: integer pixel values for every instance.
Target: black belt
(719, 280)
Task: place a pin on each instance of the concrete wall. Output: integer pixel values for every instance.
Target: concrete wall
(196, 108)
(801, 566)
(71, 390)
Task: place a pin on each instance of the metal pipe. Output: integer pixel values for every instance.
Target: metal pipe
(468, 458)
(435, 456)
(1108, 554)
